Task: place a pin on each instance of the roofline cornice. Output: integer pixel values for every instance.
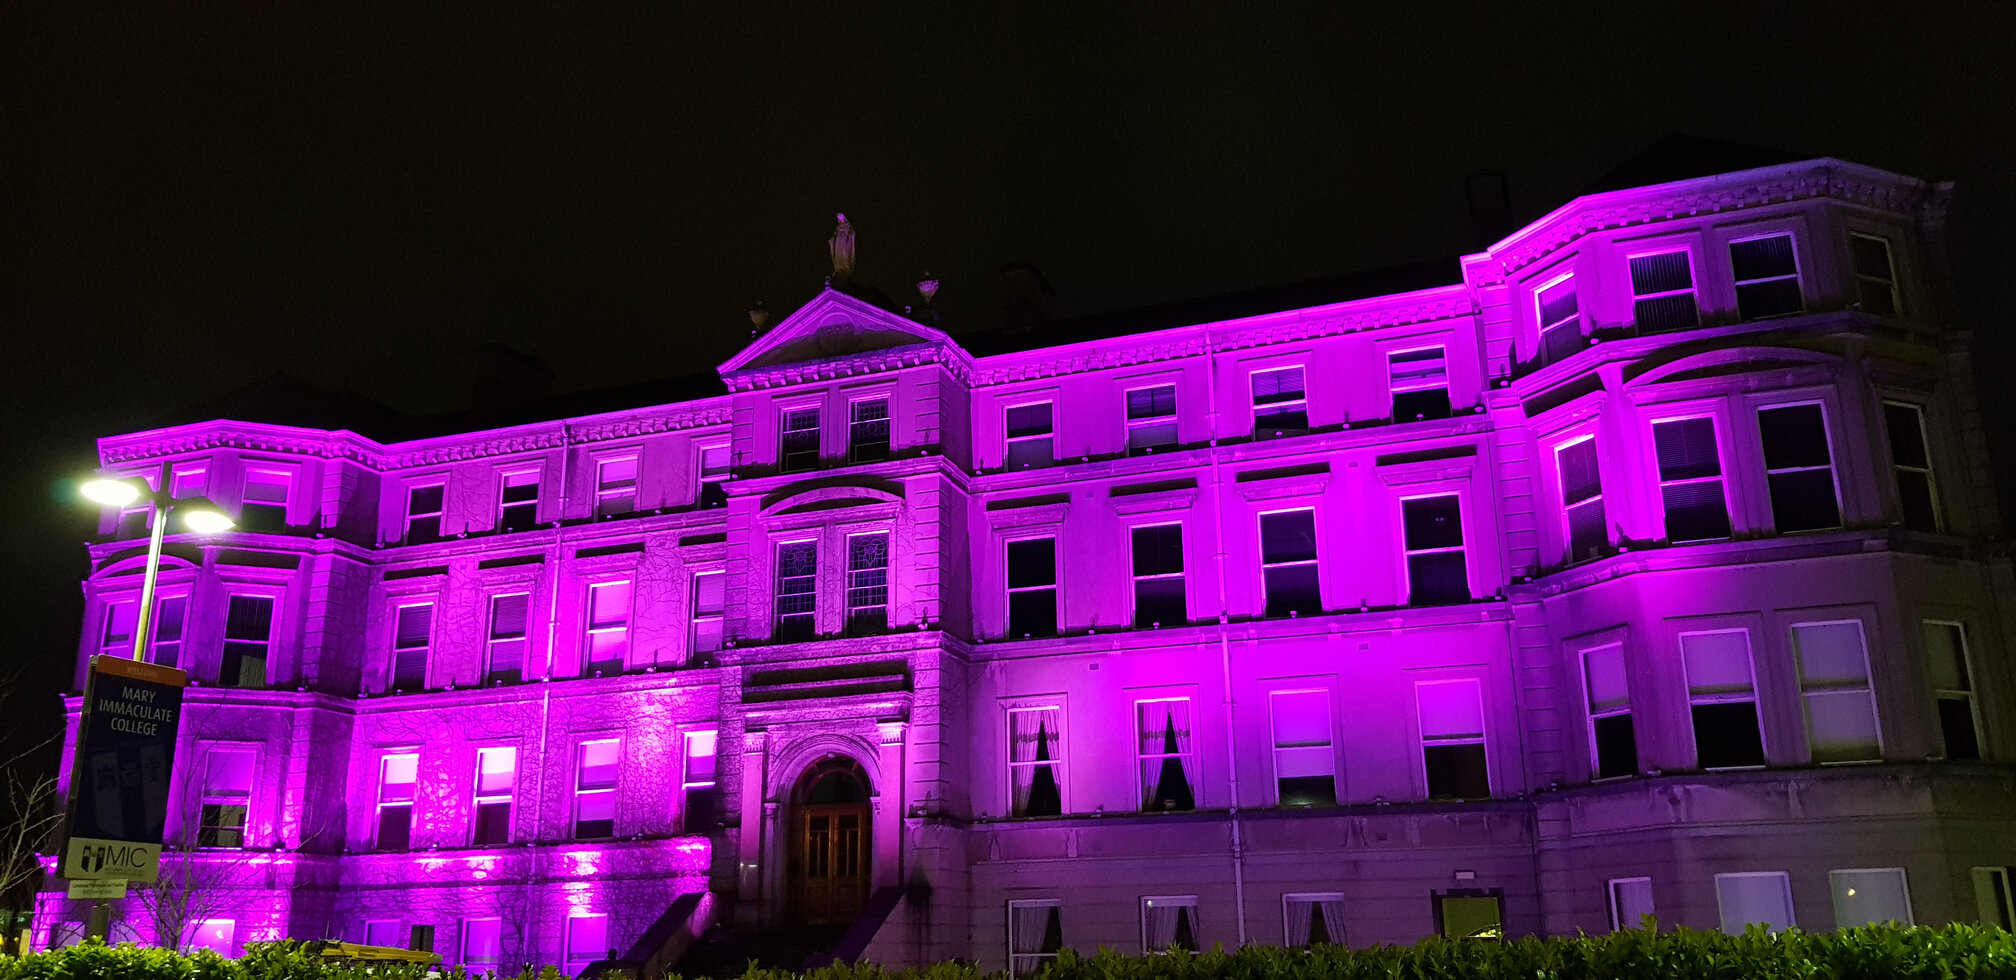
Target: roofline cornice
(946, 354)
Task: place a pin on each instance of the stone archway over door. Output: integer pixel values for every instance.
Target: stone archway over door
(831, 849)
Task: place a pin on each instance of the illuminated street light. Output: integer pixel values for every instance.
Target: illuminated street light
(198, 514)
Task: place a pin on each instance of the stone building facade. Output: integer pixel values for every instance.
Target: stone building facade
(1649, 566)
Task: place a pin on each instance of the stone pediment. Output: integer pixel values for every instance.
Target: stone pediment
(832, 326)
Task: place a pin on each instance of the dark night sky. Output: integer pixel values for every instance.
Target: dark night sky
(195, 196)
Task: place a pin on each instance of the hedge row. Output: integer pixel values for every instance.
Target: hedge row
(1955, 952)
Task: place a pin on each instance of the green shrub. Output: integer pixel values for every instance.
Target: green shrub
(1955, 952)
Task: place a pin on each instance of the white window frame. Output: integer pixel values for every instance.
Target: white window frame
(1008, 442)
(1306, 898)
(1013, 955)
(505, 485)
(371, 932)
(1539, 304)
(273, 626)
(1785, 886)
(1185, 901)
(1806, 693)
(111, 613)
(492, 641)
(1569, 507)
(1483, 738)
(703, 477)
(854, 576)
(1406, 553)
(1276, 746)
(1970, 695)
(426, 649)
(1260, 550)
(785, 415)
(1135, 578)
(687, 783)
(1756, 705)
(1826, 427)
(1056, 710)
(1693, 278)
(1395, 387)
(583, 792)
(593, 628)
(440, 515)
(380, 804)
(1591, 714)
(618, 496)
(1797, 276)
(509, 797)
(777, 606)
(1889, 259)
(567, 951)
(205, 798)
(1718, 427)
(185, 481)
(1284, 405)
(1617, 923)
(696, 618)
(285, 478)
(1143, 758)
(1997, 899)
(1055, 588)
(1903, 881)
(855, 421)
(1927, 471)
(155, 643)
(1147, 422)
(463, 945)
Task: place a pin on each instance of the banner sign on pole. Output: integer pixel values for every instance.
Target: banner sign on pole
(119, 782)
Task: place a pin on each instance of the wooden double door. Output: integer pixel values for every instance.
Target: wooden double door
(833, 860)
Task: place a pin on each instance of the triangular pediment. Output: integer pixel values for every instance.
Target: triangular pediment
(832, 325)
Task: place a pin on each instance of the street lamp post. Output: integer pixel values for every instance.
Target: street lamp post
(198, 515)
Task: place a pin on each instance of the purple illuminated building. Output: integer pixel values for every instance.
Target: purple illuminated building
(1647, 566)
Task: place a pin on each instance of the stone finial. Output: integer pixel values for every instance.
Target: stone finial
(928, 286)
(758, 317)
(842, 247)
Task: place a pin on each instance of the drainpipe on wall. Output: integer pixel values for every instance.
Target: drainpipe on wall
(1225, 643)
(546, 675)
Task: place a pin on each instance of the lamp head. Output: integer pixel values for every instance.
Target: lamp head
(202, 516)
(114, 491)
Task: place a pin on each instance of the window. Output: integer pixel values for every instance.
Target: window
(1031, 436)
(1305, 764)
(1754, 896)
(264, 506)
(1662, 292)
(608, 627)
(382, 932)
(248, 634)
(1035, 746)
(1613, 742)
(1432, 536)
(713, 476)
(1452, 739)
(587, 941)
(1875, 274)
(132, 520)
(482, 942)
(799, 448)
(423, 513)
(1560, 315)
(697, 782)
(422, 938)
(797, 590)
(496, 771)
(397, 775)
(505, 648)
(1767, 277)
(170, 614)
(116, 637)
(868, 431)
(412, 632)
(615, 486)
(1582, 499)
(1911, 466)
(1470, 914)
(1953, 688)
(595, 789)
(1630, 902)
(1419, 380)
(1288, 566)
(1869, 896)
(1310, 918)
(217, 935)
(1799, 468)
(710, 610)
(518, 501)
(187, 481)
(1722, 699)
(1151, 419)
(867, 583)
(1035, 934)
(1167, 754)
(1690, 480)
(227, 795)
(1834, 683)
(1168, 920)
(1032, 587)
(1280, 403)
(1159, 590)
(1992, 897)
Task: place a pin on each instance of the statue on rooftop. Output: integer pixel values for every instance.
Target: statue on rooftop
(842, 247)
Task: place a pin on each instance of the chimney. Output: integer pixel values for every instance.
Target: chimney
(1490, 197)
(1026, 298)
(504, 378)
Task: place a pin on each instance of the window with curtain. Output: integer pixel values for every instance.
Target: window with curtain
(1032, 587)
(1035, 757)
(1168, 920)
(1834, 684)
(1722, 699)
(1311, 918)
(1167, 754)
(1159, 590)
(1035, 934)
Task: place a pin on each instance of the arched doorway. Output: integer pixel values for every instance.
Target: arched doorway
(831, 855)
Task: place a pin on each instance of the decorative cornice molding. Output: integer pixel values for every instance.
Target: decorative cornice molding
(949, 356)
